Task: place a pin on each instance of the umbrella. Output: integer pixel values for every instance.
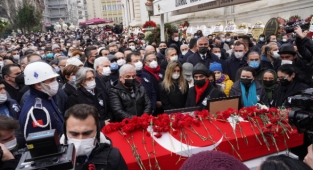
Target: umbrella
(95, 21)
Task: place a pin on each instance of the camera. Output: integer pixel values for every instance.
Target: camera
(301, 114)
(290, 26)
(46, 152)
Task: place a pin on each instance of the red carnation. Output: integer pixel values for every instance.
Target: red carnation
(158, 135)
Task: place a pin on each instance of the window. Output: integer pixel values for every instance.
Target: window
(121, 19)
(104, 7)
(113, 7)
(119, 6)
(109, 7)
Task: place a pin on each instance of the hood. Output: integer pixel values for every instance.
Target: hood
(103, 139)
(264, 58)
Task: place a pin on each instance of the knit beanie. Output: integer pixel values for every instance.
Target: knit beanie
(215, 66)
(213, 160)
(200, 69)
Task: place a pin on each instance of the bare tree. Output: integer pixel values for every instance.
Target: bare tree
(9, 8)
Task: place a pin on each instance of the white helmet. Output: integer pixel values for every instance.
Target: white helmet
(38, 72)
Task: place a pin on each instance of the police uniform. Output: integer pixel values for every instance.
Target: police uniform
(40, 113)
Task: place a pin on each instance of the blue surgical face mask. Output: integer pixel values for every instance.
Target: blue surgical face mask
(50, 55)
(262, 39)
(43, 57)
(196, 37)
(57, 69)
(74, 80)
(114, 66)
(254, 64)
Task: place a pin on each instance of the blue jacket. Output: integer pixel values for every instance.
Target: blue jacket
(195, 58)
(13, 108)
(232, 64)
(151, 84)
(39, 114)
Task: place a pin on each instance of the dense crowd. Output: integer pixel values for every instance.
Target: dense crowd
(56, 80)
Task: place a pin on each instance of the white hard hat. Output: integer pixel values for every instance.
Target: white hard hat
(38, 72)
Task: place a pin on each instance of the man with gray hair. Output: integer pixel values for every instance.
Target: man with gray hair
(128, 97)
(103, 72)
(184, 50)
(170, 55)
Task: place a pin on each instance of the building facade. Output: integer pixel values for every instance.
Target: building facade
(56, 9)
(106, 9)
(135, 14)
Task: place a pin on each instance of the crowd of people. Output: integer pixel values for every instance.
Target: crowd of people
(79, 81)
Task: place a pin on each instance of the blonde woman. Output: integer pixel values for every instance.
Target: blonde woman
(174, 88)
(269, 55)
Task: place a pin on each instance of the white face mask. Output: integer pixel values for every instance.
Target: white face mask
(91, 85)
(275, 55)
(175, 76)
(176, 39)
(153, 64)
(239, 55)
(286, 62)
(3, 98)
(11, 144)
(1, 64)
(106, 71)
(82, 146)
(16, 57)
(284, 40)
(138, 65)
(132, 48)
(188, 78)
(218, 55)
(184, 53)
(77, 56)
(54, 87)
(120, 62)
(174, 58)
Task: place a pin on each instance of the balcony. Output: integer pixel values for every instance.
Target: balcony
(57, 6)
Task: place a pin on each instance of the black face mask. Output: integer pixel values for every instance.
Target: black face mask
(284, 82)
(162, 51)
(235, 38)
(199, 83)
(203, 50)
(20, 79)
(113, 52)
(268, 83)
(129, 82)
(246, 82)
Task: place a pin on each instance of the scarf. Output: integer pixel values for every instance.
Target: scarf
(252, 96)
(200, 90)
(270, 90)
(221, 80)
(155, 72)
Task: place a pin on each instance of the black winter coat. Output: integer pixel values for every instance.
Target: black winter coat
(123, 105)
(195, 58)
(302, 67)
(281, 94)
(232, 64)
(174, 99)
(104, 157)
(82, 96)
(210, 90)
(69, 89)
(260, 91)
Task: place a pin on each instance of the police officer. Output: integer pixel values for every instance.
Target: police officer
(40, 112)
